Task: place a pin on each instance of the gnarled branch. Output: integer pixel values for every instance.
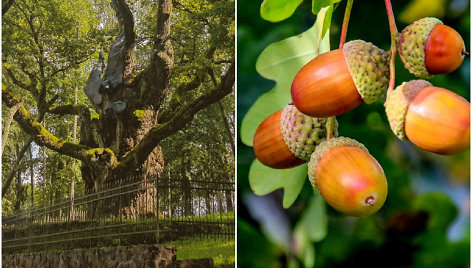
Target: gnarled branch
(73, 109)
(182, 117)
(126, 20)
(162, 61)
(43, 137)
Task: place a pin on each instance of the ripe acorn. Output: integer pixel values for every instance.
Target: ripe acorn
(348, 177)
(433, 118)
(339, 80)
(287, 138)
(428, 47)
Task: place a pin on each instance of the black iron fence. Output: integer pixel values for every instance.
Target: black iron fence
(125, 212)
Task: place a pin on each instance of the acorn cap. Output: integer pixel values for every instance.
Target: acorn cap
(323, 148)
(411, 45)
(369, 69)
(397, 104)
(302, 133)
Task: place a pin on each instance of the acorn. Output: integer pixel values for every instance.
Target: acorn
(428, 47)
(348, 177)
(339, 80)
(287, 138)
(433, 118)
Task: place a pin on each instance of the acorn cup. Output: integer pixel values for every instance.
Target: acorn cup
(428, 47)
(348, 177)
(287, 138)
(433, 118)
(338, 81)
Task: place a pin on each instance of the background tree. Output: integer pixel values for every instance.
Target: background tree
(203, 152)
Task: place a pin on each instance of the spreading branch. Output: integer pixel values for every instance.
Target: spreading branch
(182, 117)
(29, 87)
(43, 137)
(81, 110)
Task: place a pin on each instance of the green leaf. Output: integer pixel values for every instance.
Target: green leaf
(281, 61)
(317, 5)
(264, 180)
(278, 10)
(441, 209)
(304, 249)
(327, 20)
(314, 222)
(312, 227)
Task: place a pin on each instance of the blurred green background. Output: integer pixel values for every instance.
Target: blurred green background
(425, 220)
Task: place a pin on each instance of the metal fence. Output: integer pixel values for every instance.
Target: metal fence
(126, 211)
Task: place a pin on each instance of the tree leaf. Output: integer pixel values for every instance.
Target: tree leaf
(312, 227)
(264, 180)
(281, 61)
(317, 5)
(304, 249)
(327, 20)
(314, 222)
(278, 10)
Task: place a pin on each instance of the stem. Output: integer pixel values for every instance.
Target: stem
(393, 46)
(330, 127)
(347, 14)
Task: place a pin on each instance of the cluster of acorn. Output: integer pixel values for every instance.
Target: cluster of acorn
(341, 169)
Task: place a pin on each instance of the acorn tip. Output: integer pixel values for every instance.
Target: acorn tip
(370, 201)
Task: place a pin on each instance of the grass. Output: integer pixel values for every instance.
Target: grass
(221, 250)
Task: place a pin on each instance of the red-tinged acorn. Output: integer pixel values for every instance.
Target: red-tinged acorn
(287, 138)
(339, 80)
(428, 47)
(433, 118)
(348, 177)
